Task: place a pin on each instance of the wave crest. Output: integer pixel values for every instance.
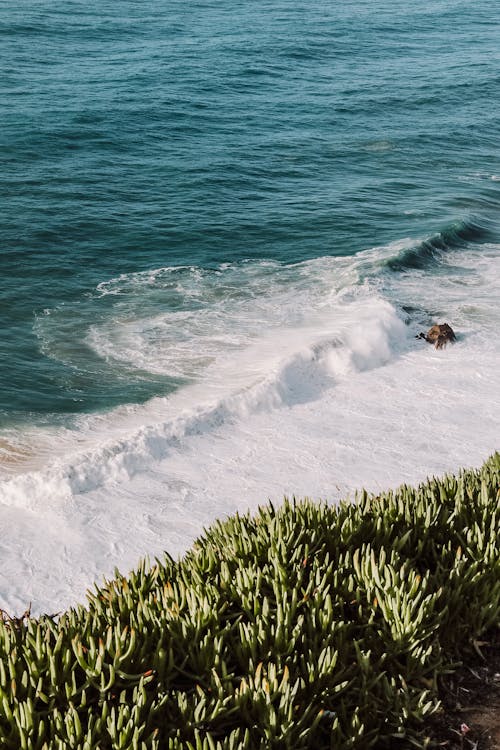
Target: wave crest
(430, 251)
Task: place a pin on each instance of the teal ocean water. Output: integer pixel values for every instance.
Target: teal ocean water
(214, 214)
(174, 135)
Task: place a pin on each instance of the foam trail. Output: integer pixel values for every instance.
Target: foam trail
(298, 377)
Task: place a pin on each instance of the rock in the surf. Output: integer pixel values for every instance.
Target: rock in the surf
(439, 335)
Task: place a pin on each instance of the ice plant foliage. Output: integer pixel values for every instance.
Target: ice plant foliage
(302, 626)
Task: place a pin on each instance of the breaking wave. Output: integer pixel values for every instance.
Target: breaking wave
(430, 251)
(370, 335)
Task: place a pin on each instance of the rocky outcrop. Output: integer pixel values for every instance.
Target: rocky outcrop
(439, 335)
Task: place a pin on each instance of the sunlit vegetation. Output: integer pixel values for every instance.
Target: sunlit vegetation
(303, 626)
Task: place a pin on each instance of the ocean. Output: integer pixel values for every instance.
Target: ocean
(222, 227)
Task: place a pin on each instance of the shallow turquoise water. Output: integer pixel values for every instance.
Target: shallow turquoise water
(201, 137)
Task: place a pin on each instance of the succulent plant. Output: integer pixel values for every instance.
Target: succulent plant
(306, 625)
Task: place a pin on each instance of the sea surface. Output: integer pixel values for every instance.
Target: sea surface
(222, 226)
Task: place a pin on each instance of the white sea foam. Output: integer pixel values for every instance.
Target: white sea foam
(305, 381)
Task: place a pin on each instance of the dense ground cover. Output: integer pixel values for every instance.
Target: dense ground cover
(302, 626)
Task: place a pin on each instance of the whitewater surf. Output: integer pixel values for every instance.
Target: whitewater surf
(332, 393)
